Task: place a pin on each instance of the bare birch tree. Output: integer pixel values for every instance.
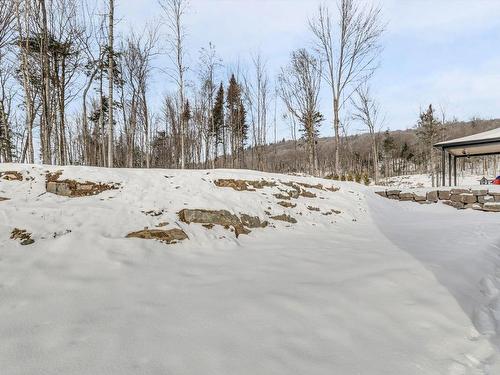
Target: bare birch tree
(299, 86)
(367, 111)
(349, 48)
(174, 11)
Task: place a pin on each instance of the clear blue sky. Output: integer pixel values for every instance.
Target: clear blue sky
(441, 52)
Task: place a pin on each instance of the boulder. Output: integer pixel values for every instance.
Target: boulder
(432, 196)
(468, 198)
(11, 176)
(419, 198)
(287, 204)
(457, 205)
(253, 221)
(168, 236)
(492, 207)
(406, 196)
(480, 192)
(485, 198)
(393, 192)
(219, 217)
(284, 217)
(444, 194)
(393, 196)
(382, 193)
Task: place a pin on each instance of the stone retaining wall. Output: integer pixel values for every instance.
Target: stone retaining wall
(476, 199)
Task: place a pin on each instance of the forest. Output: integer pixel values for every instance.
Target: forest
(73, 92)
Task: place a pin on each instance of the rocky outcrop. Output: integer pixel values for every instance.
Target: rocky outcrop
(168, 236)
(223, 218)
(242, 185)
(285, 217)
(72, 188)
(22, 235)
(11, 176)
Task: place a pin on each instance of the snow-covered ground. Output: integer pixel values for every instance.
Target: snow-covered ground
(384, 287)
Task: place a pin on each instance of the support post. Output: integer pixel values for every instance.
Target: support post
(455, 170)
(449, 169)
(443, 167)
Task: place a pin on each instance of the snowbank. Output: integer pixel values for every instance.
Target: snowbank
(382, 287)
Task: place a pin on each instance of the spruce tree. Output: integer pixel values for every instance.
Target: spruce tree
(218, 120)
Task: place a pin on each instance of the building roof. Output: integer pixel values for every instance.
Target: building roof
(485, 143)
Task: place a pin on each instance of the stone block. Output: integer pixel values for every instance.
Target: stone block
(459, 191)
(432, 196)
(468, 198)
(485, 198)
(444, 194)
(457, 205)
(382, 193)
(492, 207)
(393, 192)
(419, 197)
(480, 192)
(406, 196)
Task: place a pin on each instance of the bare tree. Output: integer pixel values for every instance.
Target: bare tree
(111, 64)
(174, 11)
(367, 111)
(350, 49)
(299, 86)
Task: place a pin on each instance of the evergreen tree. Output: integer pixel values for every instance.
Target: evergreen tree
(428, 133)
(218, 120)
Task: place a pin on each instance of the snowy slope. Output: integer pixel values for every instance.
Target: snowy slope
(382, 288)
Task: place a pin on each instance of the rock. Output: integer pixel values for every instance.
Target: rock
(72, 188)
(491, 207)
(241, 185)
(496, 195)
(219, 217)
(240, 229)
(22, 235)
(393, 196)
(311, 208)
(208, 226)
(309, 186)
(444, 194)
(287, 204)
(253, 221)
(468, 198)
(285, 217)
(480, 192)
(168, 236)
(432, 196)
(393, 192)
(457, 205)
(382, 193)
(419, 198)
(485, 198)
(281, 196)
(4, 199)
(474, 206)
(406, 196)
(11, 176)
(307, 194)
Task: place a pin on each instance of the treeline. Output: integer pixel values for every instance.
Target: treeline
(73, 91)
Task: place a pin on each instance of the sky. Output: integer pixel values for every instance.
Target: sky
(442, 52)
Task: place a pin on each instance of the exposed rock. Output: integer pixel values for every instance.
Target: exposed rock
(332, 189)
(468, 198)
(281, 196)
(432, 196)
(22, 235)
(307, 194)
(241, 185)
(311, 208)
(4, 199)
(382, 193)
(309, 186)
(287, 204)
(219, 217)
(208, 226)
(168, 236)
(285, 217)
(72, 188)
(253, 221)
(393, 196)
(162, 224)
(11, 176)
(444, 194)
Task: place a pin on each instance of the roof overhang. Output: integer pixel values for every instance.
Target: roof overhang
(486, 143)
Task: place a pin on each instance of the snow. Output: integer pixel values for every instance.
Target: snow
(385, 287)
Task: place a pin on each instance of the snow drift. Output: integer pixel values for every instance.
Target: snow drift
(358, 285)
